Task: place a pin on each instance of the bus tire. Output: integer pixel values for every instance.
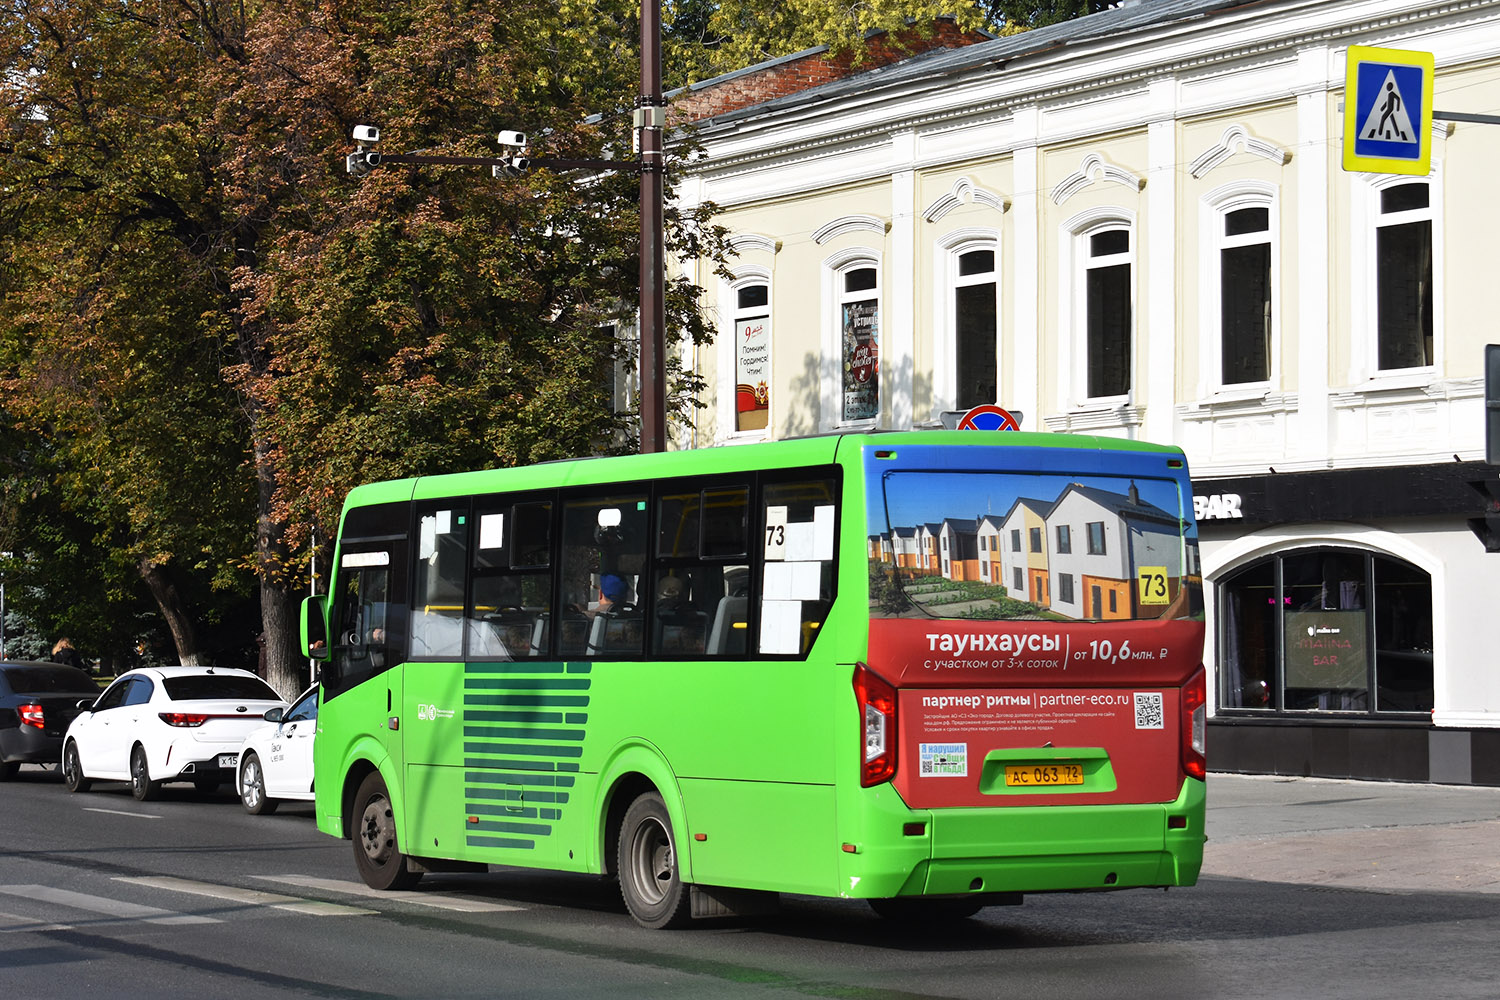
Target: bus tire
(918, 910)
(376, 853)
(653, 890)
(72, 770)
(141, 785)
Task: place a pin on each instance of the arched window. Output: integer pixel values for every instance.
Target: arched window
(852, 334)
(1326, 630)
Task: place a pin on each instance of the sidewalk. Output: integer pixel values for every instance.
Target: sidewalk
(1354, 834)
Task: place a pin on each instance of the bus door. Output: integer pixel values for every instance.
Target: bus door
(432, 687)
(367, 644)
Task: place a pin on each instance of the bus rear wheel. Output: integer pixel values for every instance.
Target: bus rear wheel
(653, 889)
(376, 853)
(926, 910)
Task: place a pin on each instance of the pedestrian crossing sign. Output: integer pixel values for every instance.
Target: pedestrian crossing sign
(1388, 111)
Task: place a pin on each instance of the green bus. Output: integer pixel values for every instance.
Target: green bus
(933, 670)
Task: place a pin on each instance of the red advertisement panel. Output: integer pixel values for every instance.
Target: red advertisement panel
(996, 713)
(1037, 746)
(949, 652)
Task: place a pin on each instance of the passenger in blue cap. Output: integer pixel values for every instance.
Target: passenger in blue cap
(613, 590)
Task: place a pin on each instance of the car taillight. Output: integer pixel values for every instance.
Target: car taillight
(183, 720)
(1195, 726)
(877, 709)
(31, 715)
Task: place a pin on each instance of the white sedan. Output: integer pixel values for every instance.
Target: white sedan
(160, 724)
(276, 759)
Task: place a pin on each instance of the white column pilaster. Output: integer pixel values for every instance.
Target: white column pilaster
(898, 325)
(1156, 327)
(1022, 386)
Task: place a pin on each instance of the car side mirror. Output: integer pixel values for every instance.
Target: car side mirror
(86, 703)
(274, 714)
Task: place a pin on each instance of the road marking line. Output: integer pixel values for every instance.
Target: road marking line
(101, 904)
(120, 812)
(252, 897)
(14, 923)
(442, 902)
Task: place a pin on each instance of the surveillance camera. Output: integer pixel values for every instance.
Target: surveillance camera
(509, 138)
(366, 135)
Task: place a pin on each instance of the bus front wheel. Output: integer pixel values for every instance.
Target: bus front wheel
(654, 891)
(376, 853)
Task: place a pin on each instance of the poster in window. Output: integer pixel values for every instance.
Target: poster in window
(752, 394)
(861, 360)
(1325, 650)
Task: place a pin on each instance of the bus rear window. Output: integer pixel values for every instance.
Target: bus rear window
(1004, 545)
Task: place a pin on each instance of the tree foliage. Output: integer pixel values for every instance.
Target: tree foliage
(209, 332)
(707, 37)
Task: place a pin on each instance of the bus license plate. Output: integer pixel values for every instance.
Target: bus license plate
(1031, 775)
(228, 760)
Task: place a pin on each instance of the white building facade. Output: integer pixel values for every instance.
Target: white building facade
(1136, 224)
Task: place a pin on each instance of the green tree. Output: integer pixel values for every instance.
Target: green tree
(1040, 13)
(214, 333)
(221, 333)
(705, 38)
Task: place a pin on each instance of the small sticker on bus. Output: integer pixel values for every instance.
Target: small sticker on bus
(943, 760)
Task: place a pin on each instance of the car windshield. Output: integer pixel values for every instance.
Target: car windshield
(206, 687)
(50, 680)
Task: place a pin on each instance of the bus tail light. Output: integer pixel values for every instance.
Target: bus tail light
(877, 709)
(31, 715)
(1195, 726)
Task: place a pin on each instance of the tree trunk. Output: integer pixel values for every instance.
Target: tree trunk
(169, 599)
(282, 665)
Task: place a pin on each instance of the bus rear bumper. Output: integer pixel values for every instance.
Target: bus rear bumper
(1019, 849)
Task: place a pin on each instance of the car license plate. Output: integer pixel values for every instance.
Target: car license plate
(1034, 775)
(228, 759)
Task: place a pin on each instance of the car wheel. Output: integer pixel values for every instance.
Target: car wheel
(8, 770)
(72, 770)
(141, 785)
(913, 911)
(654, 892)
(253, 788)
(376, 853)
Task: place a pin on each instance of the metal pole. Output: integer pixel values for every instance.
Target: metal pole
(650, 119)
(312, 590)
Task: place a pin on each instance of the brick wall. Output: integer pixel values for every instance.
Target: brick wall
(811, 70)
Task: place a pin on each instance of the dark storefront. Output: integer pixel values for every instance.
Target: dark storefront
(1323, 641)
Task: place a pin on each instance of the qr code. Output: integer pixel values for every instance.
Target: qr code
(1148, 713)
(926, 765)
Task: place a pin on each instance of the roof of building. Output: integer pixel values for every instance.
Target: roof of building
(1144, 15)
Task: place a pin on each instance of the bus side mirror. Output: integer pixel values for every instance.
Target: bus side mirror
(315, 627)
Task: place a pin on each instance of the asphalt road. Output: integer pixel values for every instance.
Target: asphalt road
(102, 895)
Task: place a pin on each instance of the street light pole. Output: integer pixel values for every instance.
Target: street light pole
(650, 120)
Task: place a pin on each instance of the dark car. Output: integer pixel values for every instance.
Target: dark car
(37, 701)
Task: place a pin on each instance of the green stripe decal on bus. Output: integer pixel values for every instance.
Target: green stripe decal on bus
(522, 733)
(515, 734)
(528, 700)
(528, 845)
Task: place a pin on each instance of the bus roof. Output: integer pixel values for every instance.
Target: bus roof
(788, 453)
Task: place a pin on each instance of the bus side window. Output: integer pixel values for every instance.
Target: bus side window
(605, 544)
(799, 521)
(362, 637)
(699, 588)
(512, 586)
(437, 605)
